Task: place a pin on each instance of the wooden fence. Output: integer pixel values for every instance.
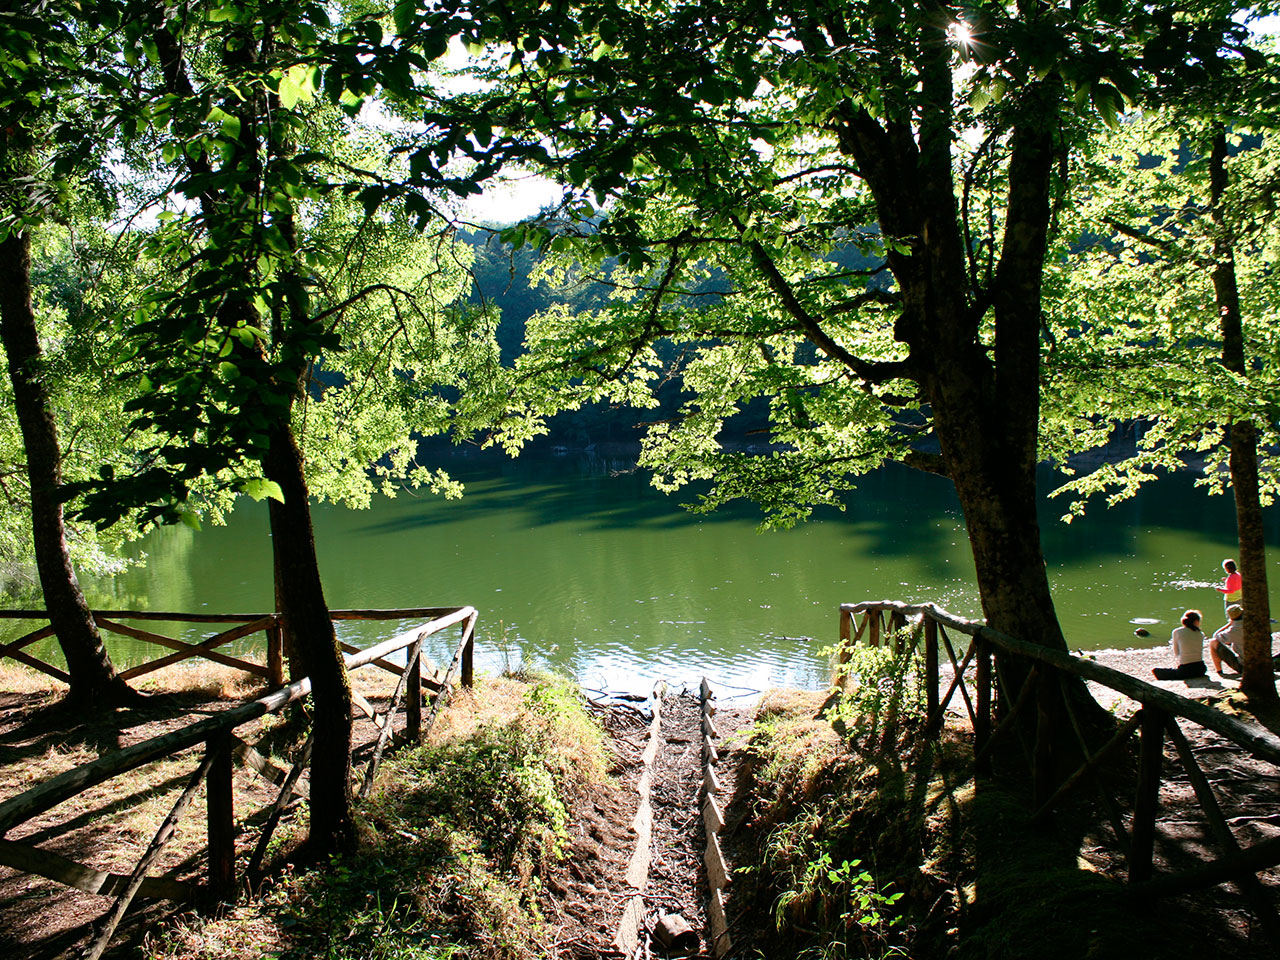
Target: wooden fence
(221, 749)
(246, 624)
(1044, 694)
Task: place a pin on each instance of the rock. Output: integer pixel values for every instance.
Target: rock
(673, 932)
(1142, 632)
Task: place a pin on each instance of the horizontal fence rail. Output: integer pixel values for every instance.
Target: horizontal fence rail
(222, 749)
(246, 624)
(1043, 697)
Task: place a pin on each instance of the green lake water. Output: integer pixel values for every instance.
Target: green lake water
(594, 573)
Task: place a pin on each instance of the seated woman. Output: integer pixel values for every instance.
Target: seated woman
(1227, 643)
(1188, 646)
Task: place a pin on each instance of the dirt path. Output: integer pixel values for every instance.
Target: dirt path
(662, 849)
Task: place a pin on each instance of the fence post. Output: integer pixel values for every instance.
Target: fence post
(413, 702)
(468, 654)
(931, 679)
(1146, 803)
(221, 818)
(873, 620)
(983, 682)
(846, 625)
(275, 653)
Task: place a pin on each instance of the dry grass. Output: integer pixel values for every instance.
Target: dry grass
(16, 678)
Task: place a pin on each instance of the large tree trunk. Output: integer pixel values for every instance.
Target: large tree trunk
(1257, 675)
(303, 605)
(984, 398)
(94, 681)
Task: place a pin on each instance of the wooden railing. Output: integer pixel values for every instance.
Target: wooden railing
(221, 748)
(1043, 694)
(246, 624)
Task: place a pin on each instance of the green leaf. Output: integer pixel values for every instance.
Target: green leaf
(260, 488)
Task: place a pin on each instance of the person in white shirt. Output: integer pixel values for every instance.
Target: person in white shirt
(1188, 646)
(1227, 643)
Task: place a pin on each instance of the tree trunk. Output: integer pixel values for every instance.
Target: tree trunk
(302, 602)
(1257, 678)
(94, 682)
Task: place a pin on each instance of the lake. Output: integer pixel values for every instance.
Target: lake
(576, 566)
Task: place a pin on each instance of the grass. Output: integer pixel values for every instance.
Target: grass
(454, 842)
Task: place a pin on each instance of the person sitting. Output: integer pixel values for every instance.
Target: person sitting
(1188, 646)
(1227, 643)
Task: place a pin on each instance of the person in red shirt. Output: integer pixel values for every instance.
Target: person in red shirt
(1232, 588)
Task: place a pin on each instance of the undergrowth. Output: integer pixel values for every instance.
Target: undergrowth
(821, 778)
(454, 842)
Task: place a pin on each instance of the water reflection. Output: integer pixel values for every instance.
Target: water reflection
(577, 566)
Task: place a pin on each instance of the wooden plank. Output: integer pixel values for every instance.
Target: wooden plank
(411, 665)
(1257, 856)
(469, 651)
(982, 680)
(627, 940)
(143, 615)
(188, 649)
(1011, 718)
(721, 944)
(712, 816)
(1147, 803)
(53, 866)
(361, 703)
(43, 633)
(40, 665)
(1246, 880)
(152, 854)
(398, 613)
(200, 649)
(220, 803)
(49, 794)
(251, 759)
(413, 702)
(713, 860)
(277, 809)
(957, 680)
(1089, 767)
(710, 782)
(275, 653)
(931, 679)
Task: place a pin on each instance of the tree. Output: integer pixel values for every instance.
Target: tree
(750, 142)
(38, 52)
(293, 312)
(1176, 293)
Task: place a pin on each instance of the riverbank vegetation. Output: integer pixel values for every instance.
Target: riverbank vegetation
(455, 840)
(864, 839)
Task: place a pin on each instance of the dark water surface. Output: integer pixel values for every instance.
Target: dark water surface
(597, 574)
